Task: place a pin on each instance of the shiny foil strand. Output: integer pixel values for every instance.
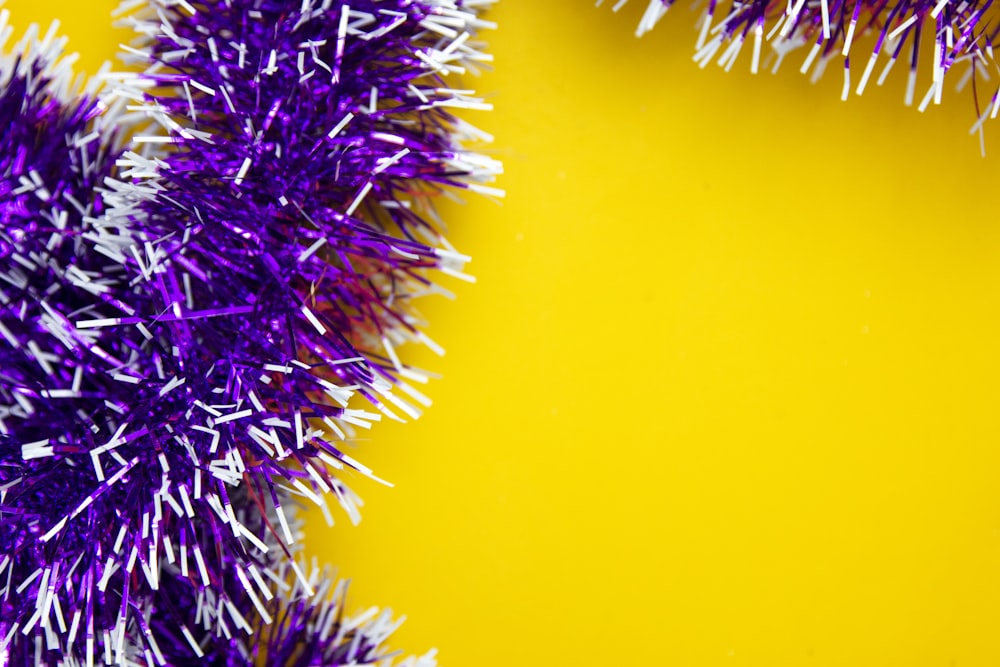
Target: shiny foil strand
(245, 269)
(867, 36)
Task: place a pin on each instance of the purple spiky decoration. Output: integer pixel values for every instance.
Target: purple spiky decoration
(190, 336)
(298, 622)
(88, 506)
(867, 36)
(314, 628)
(290, 222)
(53, 377)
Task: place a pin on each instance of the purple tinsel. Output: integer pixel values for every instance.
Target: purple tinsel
(75, 534)
(304, 622)
(53, 377)
(185, 341)
(870, 33)
(315, 629)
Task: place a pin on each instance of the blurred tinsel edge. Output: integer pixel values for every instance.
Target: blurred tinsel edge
(207, 265)
(958, 36)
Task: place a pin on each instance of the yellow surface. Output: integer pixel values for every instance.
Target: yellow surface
(726, 391)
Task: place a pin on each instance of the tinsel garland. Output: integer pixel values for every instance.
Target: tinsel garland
(872, 34)
(201, 267)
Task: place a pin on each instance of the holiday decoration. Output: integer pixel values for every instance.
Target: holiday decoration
(204, 267)
(867, 37)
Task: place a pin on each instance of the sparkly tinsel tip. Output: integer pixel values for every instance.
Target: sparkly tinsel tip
(188, 321)
(963, 34)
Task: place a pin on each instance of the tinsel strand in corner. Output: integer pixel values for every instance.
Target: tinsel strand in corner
(874, 34)
(200, 266)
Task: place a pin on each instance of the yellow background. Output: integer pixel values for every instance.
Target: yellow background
(725, 393)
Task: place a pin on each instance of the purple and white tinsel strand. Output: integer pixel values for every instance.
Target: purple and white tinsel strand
(205, 350)
(302, 162)
(316, 630)
(302, 621)
(867, 36)
(53, 378)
